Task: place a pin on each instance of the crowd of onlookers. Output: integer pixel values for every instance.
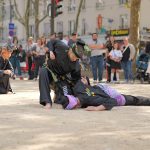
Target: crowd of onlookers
(30, 57)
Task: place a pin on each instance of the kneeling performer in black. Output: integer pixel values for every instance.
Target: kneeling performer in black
(6, 70)
(62, 64)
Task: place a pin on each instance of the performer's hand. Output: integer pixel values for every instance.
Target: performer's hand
(84, 80)
(52, 56)
(7, 72)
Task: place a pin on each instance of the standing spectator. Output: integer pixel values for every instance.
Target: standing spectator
(73, 39)
(115, 56)
(43, 41)
(29, 48)
(60, 36)
(53, 36)
(22, 58)
(128, 56)
(109, 45)
(97, 60)
(147, 48)
(65, 39)
(14, 59)
(39, 57)
(132, 56)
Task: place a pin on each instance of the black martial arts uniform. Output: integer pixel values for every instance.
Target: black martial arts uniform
(4, 78)
(61, 66)
(95, 96)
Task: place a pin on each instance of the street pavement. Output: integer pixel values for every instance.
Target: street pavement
(25, 125)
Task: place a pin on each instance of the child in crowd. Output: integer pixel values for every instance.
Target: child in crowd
(115, 56)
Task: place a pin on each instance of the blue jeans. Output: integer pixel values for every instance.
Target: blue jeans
(127, 68)
(16, 64)
(130, 71)
(97, 64)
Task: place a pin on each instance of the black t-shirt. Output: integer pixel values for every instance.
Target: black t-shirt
(126, 55)
(109, 46)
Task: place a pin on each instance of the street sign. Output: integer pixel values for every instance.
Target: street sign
(11, 26)
(11, 33)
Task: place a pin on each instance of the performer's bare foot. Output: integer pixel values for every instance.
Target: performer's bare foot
(48, 106)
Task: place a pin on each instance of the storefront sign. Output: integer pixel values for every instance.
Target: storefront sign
(122, 32)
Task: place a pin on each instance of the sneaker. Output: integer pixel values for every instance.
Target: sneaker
(95, 81)
(100, 81)
(125, 82)
(35, 79)
(112, 82)
(131, 82)
(117, 82)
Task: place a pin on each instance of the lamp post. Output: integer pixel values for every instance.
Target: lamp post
(50, 11)
(3, 11)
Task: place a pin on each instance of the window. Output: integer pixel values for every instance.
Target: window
(83, 27)
(84, 5)
(100, 4)
(123, 2)
(71, 26)
(46, 29)
(72, 6)
(59, 26)
(31, 10)
(124, 21)
(45, 4)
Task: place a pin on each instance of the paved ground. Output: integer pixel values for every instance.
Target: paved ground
(25, 125)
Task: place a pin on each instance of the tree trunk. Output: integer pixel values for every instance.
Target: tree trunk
(27, 16)
(27, 31)
(37, 19)
(78, 14)
(24, 20)
(134, 24)
(36, 7)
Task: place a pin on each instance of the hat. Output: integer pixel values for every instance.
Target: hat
(72, 102)
(78, 48)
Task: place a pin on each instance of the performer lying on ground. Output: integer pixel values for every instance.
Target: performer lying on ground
(6, 70)
(100, 97)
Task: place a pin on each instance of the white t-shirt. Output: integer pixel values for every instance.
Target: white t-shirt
(65, 41)
(115, 53)
(96, 52)
(40, 50)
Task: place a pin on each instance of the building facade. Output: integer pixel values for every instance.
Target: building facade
(96, 16)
